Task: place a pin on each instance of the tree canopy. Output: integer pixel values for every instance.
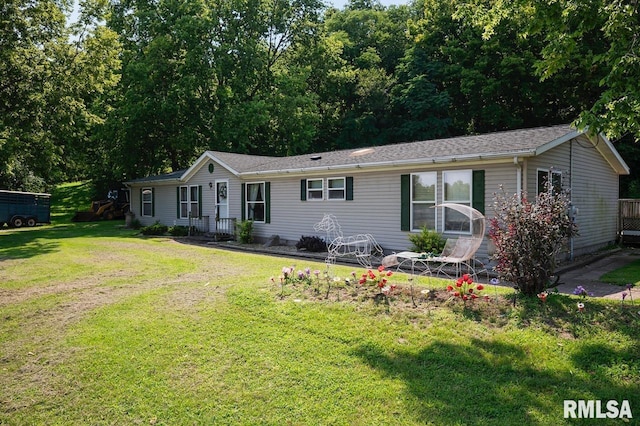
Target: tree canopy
(129, 88)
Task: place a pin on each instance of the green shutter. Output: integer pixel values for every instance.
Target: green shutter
(153, 202)
(405, 202)
(303, 190)
(140, 201)
(478, 190)
(200, 201)
(267, 202)
(243, 199)
(178, 202)
(349, 184)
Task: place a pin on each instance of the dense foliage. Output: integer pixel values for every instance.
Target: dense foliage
(130, 88)
(529, 236)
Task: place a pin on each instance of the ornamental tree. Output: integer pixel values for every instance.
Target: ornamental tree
(529, 237)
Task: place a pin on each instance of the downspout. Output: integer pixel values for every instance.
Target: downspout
(518, 177)
(571, 208)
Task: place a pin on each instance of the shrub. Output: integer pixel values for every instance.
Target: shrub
(136, 224)
(427, 241)
(155, 229)
(179, 231)
(245, 231)
(529, 236)
(312, 244)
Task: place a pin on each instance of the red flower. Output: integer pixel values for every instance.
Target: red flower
(470, 290)
(380, 268)
(457, 294)
(474, 296)
(389, 273)
(465, 297)
(449, 288)
(363, 280)
(479, 287)
(393, 287)
(465, 277)
(459, 283)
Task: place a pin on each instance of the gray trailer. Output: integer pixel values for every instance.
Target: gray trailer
(18, 209)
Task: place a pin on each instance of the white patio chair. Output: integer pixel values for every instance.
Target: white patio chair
(459, 253)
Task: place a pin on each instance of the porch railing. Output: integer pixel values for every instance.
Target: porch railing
(225, 228)
(628, 218)
(198, 225)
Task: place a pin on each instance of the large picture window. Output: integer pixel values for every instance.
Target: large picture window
(255, 201)
(147, 202)
(423, 198)
(457, 187)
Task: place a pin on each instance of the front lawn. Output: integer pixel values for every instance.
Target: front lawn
(101, 326)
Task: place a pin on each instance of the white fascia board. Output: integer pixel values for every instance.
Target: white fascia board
(386, 165)
(207, 155)
(557, 142)
(612, 155)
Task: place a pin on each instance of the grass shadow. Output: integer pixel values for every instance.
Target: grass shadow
(485, 383)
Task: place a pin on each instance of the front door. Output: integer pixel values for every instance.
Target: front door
(222, 200)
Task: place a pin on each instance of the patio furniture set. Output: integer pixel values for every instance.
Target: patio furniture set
(457, 257)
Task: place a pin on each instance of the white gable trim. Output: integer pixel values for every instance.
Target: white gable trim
(202, 160)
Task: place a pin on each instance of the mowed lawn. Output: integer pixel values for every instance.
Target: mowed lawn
(101, 326)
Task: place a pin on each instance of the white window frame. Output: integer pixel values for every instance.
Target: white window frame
(550, 173)
(331, 190)
(263, 202)
(315, 190)
(187, 204)
(428, 202)
(148, 202)
(467, 201)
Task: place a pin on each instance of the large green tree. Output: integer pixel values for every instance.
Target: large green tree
(206, 74)
(600, 36)
(51, 77)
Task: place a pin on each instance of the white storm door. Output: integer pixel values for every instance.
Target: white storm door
(222, 199)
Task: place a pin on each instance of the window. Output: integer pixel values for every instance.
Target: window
(315, 189)
(423, 198)
(193, 199)
(147, 202)
(336, 188)
(189, 201)
(543, 178)
(255, 197)
(457, 187)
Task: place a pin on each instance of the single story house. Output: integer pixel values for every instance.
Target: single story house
(388, 191)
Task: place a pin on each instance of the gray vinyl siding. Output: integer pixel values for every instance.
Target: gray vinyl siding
(595, 194)
(375, 208)
(165, 197)
(594, 190)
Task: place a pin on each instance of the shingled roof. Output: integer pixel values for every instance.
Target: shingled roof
(490, 146)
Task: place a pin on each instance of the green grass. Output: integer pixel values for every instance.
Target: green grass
(101, 326)
(629, 273)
